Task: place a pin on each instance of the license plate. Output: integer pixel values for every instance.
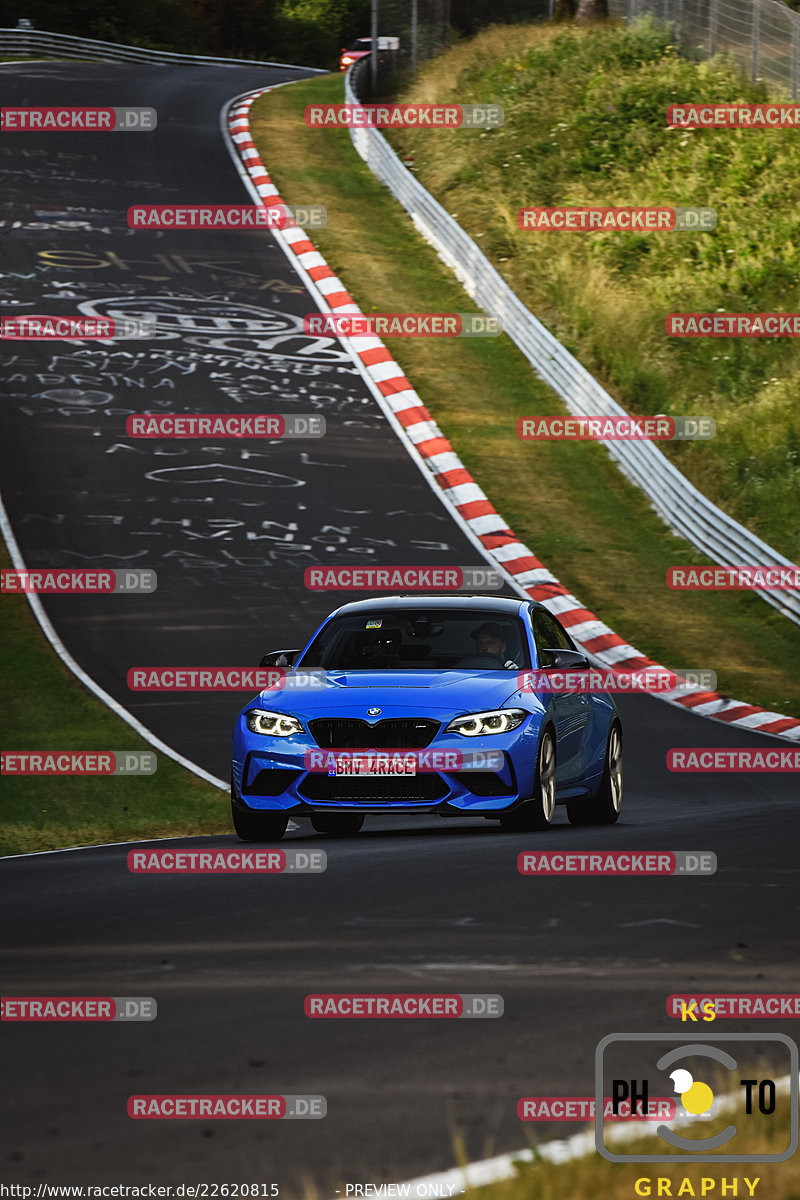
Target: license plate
(384, 766)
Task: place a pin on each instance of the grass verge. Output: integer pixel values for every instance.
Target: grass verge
(567, 502)
(46, 708)
(591, 1177)
(585, 124)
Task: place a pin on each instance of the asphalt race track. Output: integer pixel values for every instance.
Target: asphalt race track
(228, 527)
(412, 904)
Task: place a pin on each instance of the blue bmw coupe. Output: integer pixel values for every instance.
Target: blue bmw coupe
(429, 704)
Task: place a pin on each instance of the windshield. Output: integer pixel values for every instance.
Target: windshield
(362, 44)
(420, 639)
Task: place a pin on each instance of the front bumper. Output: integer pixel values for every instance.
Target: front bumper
(269, 775)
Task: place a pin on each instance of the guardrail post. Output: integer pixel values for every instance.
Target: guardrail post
(756, 36)
(414, 29)
(373, 55)
(713, 21)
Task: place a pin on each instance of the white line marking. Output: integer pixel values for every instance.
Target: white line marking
(69, 662)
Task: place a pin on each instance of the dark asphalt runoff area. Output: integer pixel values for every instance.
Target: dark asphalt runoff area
(412, 904)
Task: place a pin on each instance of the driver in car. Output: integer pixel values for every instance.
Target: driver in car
(385, 649)
(489, 640)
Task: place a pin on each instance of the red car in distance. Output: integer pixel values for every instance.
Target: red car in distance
(361, 47)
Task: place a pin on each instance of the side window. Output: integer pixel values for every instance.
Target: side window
(548, 635)
(564, 642)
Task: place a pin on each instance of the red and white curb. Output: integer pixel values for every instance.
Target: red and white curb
(466, 501)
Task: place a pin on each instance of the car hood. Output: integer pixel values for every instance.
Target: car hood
(396, 692)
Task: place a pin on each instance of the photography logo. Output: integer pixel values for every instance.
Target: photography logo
(706, 1078)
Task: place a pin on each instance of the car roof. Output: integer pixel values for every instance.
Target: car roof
(505, 605)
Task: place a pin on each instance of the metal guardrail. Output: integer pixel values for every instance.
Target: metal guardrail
(762, 35)
(685, 510)
(62, 45)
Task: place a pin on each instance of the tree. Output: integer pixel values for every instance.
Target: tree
(592, 10)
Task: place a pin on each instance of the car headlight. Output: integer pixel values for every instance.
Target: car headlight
(500, 720)
(272, 724)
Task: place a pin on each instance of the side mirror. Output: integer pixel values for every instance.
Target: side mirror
(564, 660)
(279, 658)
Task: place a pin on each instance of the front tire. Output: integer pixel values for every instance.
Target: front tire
(258, 826)
(337, 824)
(605, 808)
(537, 813)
